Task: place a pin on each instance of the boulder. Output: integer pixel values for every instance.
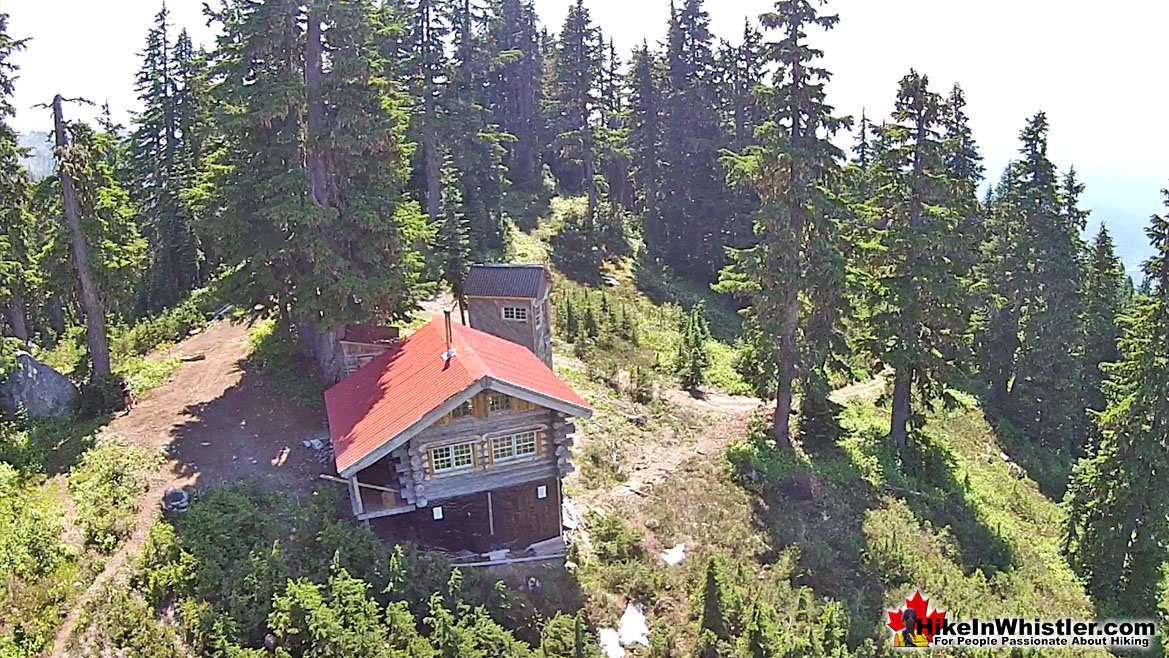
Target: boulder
(37, 390)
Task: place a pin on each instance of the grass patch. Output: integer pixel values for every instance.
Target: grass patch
(38, 568)
(107, 486)
(829, 536)
(944, 515)
(275, 354)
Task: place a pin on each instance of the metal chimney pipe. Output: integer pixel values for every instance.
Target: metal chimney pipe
(450, 343)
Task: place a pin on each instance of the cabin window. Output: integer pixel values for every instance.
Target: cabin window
(457, 457)
(514, 446)
(464, 409)
(497, 402)
(515, 313)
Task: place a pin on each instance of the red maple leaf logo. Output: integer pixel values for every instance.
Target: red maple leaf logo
(931, 621)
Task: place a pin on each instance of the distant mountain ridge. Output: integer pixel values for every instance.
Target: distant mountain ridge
(39, 162)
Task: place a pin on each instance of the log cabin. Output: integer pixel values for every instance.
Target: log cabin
(456, 439)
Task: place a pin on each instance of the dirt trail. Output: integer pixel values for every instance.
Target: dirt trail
(654, 457)
(869, 389)
(217, 424)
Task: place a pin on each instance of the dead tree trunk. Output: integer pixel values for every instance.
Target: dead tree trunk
(16, 316)
(95, 317)
(901, 393)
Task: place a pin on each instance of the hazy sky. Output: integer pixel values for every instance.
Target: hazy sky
(1098, 74)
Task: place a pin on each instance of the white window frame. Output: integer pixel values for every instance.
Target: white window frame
(449, 449)
(504, 401)
(512, 440)
(518, 313)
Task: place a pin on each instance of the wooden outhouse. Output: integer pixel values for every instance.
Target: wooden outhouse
(512, 302)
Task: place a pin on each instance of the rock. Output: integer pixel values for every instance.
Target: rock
(176, 501)
(37, 390)
(1016, 471)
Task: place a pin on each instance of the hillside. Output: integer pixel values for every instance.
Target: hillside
(824, 540)
(837, 534)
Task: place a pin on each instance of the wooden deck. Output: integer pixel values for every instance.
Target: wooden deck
(376, 502)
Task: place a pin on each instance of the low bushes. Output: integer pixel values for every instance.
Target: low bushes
(106, 486)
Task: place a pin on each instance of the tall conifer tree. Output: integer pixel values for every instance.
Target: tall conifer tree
(329, 238)
(793, 169)
(1107, 293)
(1119, 495)
(917, 294)
(576, 66)
(19, 272)
(1046, 395)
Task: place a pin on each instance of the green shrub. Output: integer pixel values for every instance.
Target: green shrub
(613, 539)
(122, 623)
(106, 487)
(275, 354)
(30, 526)
(168, 327)
(100, 396)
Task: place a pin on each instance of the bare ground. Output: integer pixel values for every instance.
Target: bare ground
(218, 424)
(654, 457)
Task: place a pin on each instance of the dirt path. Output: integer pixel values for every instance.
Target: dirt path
(218, 424)
(654, 457)
(869, 389)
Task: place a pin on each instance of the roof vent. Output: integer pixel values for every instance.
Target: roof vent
(450, 343)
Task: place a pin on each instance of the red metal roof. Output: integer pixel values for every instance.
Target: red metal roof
(396, 389)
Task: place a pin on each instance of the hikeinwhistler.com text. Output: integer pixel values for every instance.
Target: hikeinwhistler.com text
(1011, 632)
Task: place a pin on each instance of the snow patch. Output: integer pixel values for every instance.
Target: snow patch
(610, 643)
(674, 555)
(633, 628)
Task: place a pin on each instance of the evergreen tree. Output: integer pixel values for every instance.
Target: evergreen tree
(162, 165)
(613, 133)
(793, 170)
(427, 69)
(328, 238)
(19, 270)
(693, 194)
(514, 89)
(1004, 285)
(693, 357)
(1118, 503)
(467, 130)
(1046, 398)
(963, 165)
(645, 83)
(713, 617)
(455, 246)
(576, 66)
(761, 637)
(916, 303)
(1106, 295)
